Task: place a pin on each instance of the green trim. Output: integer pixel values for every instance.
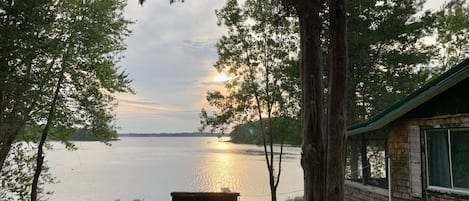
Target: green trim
(434, 87)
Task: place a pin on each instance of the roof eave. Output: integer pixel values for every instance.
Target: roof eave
(413, 103)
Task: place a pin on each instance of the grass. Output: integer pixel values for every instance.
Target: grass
(296, 199)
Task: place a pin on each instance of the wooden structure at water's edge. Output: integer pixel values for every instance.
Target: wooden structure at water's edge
(204, 196)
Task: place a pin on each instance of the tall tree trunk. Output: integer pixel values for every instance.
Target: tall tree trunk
(312, 102)
(323, 141)
(336, 133)
(273, 194)
(45, 131)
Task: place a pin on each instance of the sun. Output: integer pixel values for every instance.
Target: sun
(221, 77)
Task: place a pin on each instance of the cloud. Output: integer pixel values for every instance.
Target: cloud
(201, 44)
(142, 114)
(169, 57)
(162, 22)
(140, 105)
(212, 83)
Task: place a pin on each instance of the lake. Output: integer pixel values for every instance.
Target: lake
(150, 168)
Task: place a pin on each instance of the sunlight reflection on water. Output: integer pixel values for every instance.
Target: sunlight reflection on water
(151, 168)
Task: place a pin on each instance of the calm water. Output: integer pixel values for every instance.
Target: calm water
(152, 168)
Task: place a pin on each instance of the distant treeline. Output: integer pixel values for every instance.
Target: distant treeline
(86, 135)
(250, 133)
(186, 134)
(33, 133)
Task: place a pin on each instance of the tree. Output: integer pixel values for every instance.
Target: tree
(322, 116)
(86, 73)
(24, 37)
(250, 133)
(256, 53)
(337, 118)
(385, 63)
(452, 33)
(60, 52)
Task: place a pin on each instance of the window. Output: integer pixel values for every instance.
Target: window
(353, 167)
(447, 158)
(366, 160)
(376, 159)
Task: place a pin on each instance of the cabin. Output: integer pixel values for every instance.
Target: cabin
(417, 149)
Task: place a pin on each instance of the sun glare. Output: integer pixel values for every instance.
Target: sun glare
(221, 77)
(222, 146)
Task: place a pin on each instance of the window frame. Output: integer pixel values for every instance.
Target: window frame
(365, 165)
(453, 189)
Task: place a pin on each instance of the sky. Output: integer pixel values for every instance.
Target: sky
(170, 56)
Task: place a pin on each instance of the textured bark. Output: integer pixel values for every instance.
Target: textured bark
(336, 133)
(312, 111)
(323, 133)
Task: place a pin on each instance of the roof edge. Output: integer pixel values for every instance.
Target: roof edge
(413, 100)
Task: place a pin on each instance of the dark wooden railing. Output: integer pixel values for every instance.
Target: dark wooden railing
(204, 196)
